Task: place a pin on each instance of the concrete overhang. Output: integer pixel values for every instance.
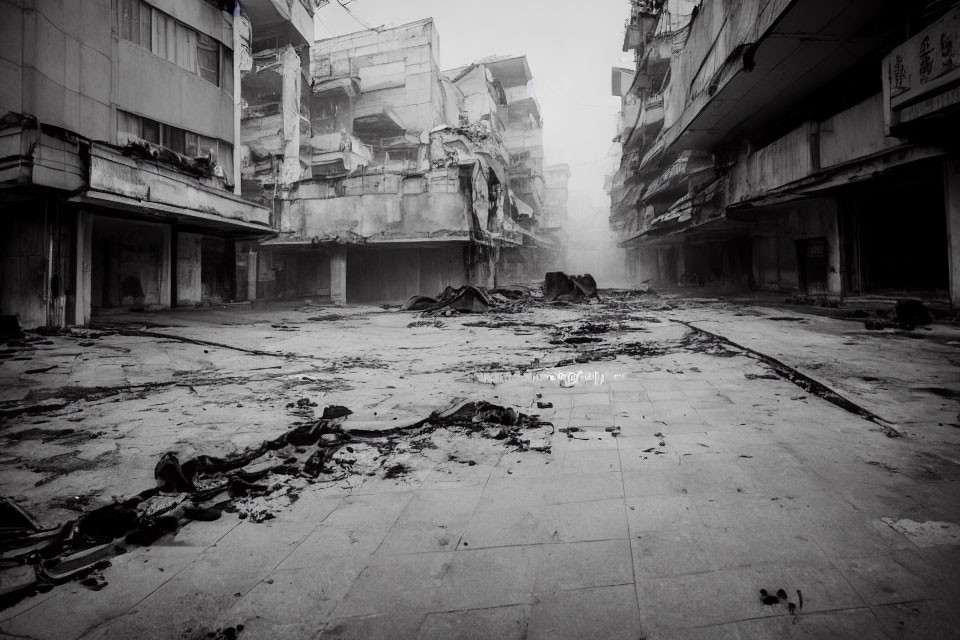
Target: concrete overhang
(348, 86)
(154, 190)
(525, 107)
(811, 43)
(30, 156)
(373, 242)
(621, 80)
(511, 71)
(187, 219)
(290, 21)
(378, 122)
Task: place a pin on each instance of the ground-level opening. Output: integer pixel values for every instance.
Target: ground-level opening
(392, 275)
(130, 264)
(894, 231)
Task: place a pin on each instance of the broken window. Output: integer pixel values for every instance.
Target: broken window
(151, 131)
(131, 126)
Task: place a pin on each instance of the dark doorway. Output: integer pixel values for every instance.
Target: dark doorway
(812, 263)
(901, 233)
(217, 269)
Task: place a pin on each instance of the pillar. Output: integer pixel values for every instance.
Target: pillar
(84, 255)
(252, 275)
(166, 268)
(662, 268)
(951, 200)
(834, 267)
(240, 31)
(290, 170)
(338, 275)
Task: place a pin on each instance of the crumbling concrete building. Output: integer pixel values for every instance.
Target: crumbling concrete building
(805, 147)
(556, 200)
(405, 188)
(120, 164)
(495, 91)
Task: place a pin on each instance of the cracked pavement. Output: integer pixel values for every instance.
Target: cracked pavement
(719, 477)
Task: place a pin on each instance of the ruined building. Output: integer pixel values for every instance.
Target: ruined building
(556, 199)
(802, 147)
(120, 167)
(401, 180)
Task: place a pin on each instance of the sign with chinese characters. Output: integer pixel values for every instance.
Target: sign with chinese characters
(919, 69)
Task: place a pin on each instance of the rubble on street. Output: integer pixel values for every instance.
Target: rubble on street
(490, 438)
(380, 320)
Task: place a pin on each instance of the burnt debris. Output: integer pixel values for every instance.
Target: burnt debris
(561, 287)
(254, 483)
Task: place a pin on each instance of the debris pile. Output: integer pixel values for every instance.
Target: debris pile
(468, 299)
(558, 286)
(255, 483)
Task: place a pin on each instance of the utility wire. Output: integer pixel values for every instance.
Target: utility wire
(362, 23)
(571, 100)
(612, 155)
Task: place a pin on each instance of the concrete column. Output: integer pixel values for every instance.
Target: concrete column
(951, 184)
(338, 275)
(252, 272)
(189, 289)
(662, 268)
(166, 268)
(834, 267)
(82, 286)
(649, 266)
(290, 112)
(238, 34)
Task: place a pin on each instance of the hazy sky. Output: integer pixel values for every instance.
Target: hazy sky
(570, 44)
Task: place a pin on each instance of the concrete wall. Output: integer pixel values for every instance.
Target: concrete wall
(775, 264)
(379, 205)
(718, 29)
(161, 186)
(779, 163)
(151, 86)
(23, 266)
(60, 62)
(189, 287)
(125, 250)
(397, 68)
(855, 133)
(393, 275)
(55, 63)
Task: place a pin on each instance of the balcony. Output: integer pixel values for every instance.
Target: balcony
(651, 116)
(288, 22)
(741, 76)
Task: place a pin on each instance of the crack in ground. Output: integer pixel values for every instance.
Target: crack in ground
(805, 382)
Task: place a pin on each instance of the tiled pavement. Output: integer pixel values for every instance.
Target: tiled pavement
(756, 485)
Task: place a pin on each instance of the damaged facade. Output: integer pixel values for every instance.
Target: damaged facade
(404, 178)
(163, 153)
(120, 171)
(799, 147)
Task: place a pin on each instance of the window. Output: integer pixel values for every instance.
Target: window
(151, 131)
(133, 21)
(131, 127)
(208, 58)
(138, 22)
(174, 138)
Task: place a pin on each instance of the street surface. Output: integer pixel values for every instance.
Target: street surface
(684, 473)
